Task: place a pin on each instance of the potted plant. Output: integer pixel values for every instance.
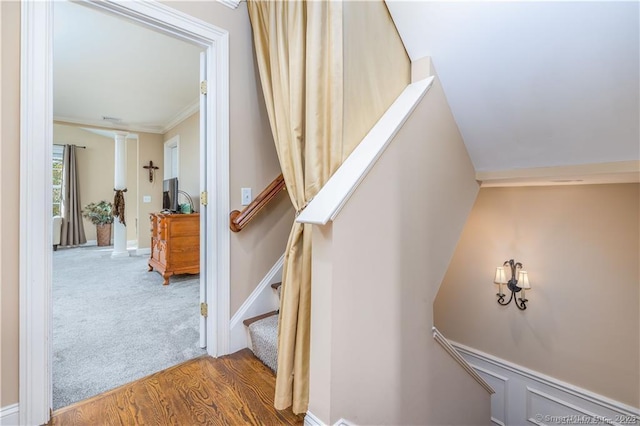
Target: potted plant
(101, 215)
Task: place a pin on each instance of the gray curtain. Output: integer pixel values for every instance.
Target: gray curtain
(72, 233)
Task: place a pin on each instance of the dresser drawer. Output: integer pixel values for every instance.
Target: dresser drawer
(175, 244)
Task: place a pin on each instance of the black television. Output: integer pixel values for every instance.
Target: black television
(170, 195)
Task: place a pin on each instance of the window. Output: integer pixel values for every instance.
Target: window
(57, 179)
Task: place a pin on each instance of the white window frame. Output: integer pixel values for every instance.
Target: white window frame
(57, 157)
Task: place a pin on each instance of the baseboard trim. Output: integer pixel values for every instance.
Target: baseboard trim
(343, 422)
(311, 420)
(10, 415)
(523, 395)
(143, 251)
(261, 300)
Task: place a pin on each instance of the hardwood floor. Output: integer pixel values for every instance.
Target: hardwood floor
(233, 390)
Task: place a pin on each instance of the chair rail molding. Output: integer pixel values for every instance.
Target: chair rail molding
(526, 396)
(439, 337)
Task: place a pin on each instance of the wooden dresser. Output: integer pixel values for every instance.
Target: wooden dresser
(175, 244)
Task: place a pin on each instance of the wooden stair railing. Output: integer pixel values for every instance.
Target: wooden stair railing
(240, 219)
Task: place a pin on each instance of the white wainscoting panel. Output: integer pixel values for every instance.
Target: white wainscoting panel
(526, 397)
(499, 398)
(10, 415)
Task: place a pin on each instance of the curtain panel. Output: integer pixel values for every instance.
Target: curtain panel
(299, 53)
(72, 233)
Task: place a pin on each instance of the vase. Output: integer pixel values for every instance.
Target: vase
(103, 234)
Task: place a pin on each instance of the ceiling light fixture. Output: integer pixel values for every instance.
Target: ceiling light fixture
(515, 285)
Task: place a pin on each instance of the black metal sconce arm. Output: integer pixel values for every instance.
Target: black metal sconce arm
(512, 285)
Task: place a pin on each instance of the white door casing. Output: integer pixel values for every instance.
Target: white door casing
(172, 158)
(36, 139)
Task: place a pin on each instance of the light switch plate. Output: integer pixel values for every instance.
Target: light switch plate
(146, 198)
(246, 196)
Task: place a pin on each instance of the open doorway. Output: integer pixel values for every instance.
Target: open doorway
(36, 141)
(114, 322)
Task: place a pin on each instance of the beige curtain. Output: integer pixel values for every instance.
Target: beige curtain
(72, 233)
(299, 53)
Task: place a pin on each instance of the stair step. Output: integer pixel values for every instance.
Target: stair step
(275, 285)
(250, 321)
(264, 340)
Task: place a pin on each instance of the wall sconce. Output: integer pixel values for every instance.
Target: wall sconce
(515, 285)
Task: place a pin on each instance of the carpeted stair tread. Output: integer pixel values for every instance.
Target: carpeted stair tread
(250, 321)
(264, 340)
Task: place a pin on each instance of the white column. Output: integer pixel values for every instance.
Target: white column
(120, 182)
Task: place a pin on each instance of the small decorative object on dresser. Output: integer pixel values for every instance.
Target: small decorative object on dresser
(175, 244)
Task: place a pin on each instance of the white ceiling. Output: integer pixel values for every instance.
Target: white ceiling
(533, 84)
(104, 65)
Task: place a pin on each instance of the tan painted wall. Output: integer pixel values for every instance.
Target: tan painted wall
(253, 160)
(150, 148)
(10, 200)
(376, 67)
(189, 167)
(95, 166)
(580, 245)
(388, 251)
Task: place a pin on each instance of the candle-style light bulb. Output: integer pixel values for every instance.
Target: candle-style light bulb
(523, 282)
(500, 279)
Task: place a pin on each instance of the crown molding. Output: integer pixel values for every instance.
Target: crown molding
(105, 125)
(233, 4)
(582, 174)
(177, 119)
(187, 112)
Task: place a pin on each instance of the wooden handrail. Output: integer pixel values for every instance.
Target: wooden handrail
(240, 219)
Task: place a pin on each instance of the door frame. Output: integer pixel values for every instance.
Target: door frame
(36, 138)
(174, 142)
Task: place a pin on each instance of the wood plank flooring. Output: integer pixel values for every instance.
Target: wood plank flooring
(233, 390)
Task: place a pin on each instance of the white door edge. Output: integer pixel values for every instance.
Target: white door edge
(203, 206)
(36, 138)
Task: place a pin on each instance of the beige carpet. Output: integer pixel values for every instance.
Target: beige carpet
(114, 322)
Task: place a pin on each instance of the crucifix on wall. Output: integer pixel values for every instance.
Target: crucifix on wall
(152, 170)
